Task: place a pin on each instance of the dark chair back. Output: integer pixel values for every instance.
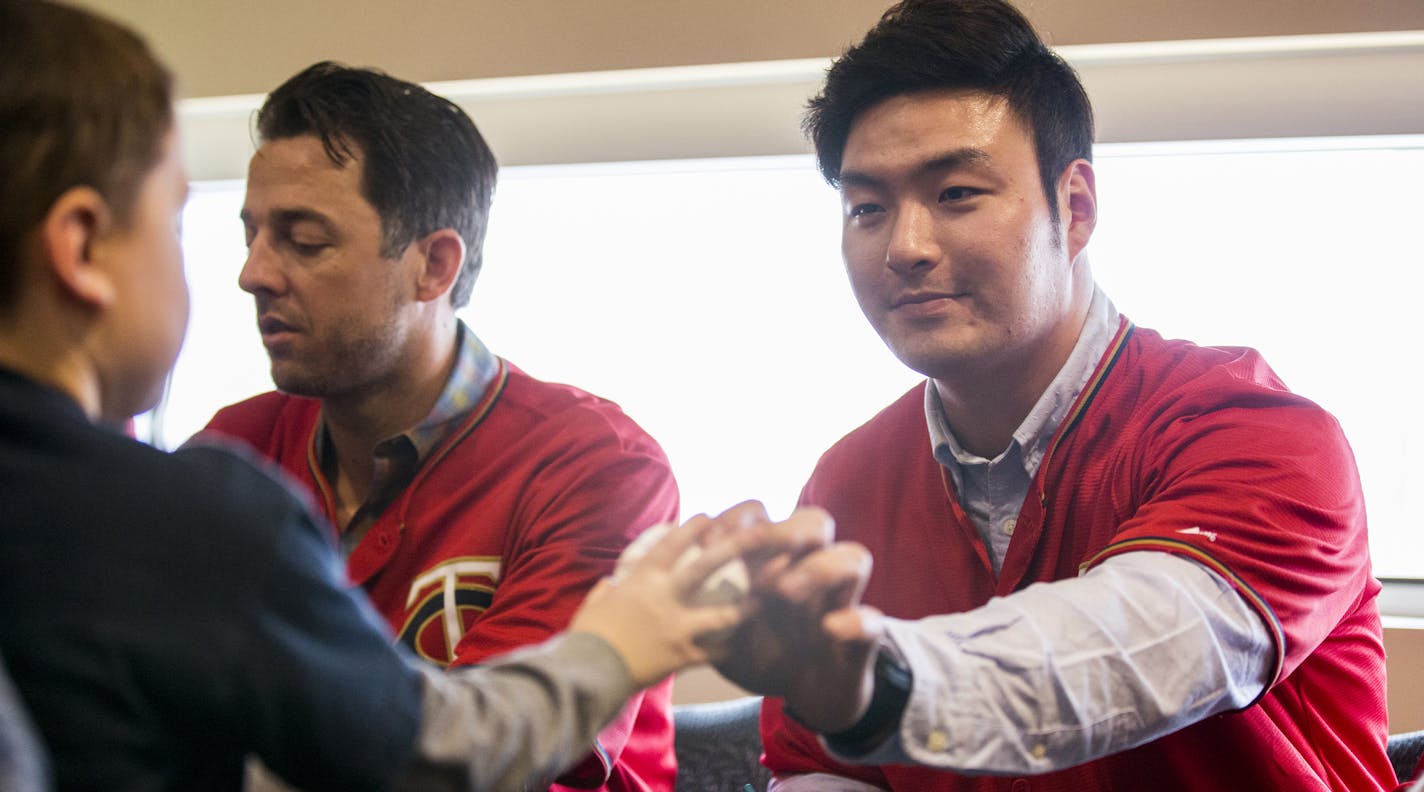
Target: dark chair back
(1405, 751)
(718, 746)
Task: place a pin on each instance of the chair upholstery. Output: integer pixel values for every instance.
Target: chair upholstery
(1405, 753)
(718, 746)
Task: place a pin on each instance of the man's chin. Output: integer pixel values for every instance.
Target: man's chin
(934, 361)
(296, 383)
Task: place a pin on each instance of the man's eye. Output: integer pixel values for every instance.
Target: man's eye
(861, 210)
(309, 248)
(956, 193)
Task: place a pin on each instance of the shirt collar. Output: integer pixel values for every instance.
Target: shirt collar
(1033, 435)
(475, 368)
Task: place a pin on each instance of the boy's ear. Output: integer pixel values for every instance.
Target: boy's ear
(442, 254)
(69, 243)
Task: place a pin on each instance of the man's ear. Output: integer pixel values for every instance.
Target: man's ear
(442, 253)
(1078, 205)
(69, 235)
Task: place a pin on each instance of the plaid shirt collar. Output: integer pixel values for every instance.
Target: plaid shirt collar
(396, 459)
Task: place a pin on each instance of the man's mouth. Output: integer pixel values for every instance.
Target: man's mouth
(923, 298)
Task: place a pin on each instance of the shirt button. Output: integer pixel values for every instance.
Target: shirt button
(1039, 751)
(938, 741)
(1009, 525)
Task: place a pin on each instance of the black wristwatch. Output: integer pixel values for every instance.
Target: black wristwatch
(893, 682)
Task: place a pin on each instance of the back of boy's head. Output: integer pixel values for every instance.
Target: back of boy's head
(83, 103)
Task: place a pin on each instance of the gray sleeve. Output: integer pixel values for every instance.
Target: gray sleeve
(518, 721)
(24, 767)
(512, 724)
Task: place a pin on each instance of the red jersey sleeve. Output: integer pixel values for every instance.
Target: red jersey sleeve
(1260, 486)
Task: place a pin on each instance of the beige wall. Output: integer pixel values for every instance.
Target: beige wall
(223, 48)
(1404, 651)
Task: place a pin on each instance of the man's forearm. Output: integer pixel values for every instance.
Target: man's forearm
(1063, 673)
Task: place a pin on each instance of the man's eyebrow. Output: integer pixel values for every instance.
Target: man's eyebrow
(954, 160)
(855, 178)
(287, 217)
(948, 161)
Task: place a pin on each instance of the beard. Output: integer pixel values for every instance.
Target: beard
(355, 357)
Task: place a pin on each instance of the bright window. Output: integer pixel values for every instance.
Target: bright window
(707, 298)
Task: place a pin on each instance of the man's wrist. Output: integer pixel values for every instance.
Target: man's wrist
(892, 682)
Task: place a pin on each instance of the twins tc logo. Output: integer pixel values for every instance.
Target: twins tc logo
(444, 601)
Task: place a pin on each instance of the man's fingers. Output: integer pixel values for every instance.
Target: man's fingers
(790, 557)
(835, 576)
(862, 624)
(744, 531)
(741, 517)
(807, 530)
(718, 566)
(717, 618)
(665, 552)
(858, 563)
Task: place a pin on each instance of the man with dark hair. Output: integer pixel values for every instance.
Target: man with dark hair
(476, 505)
(423, 165)
(1108, 560)
(164, 616)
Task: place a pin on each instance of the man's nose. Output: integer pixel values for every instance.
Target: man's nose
(261, 272)
(912, 244)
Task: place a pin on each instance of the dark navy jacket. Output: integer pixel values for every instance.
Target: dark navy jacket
(160, 614)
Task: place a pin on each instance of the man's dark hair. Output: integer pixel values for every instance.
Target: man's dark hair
(978, 45)
(424, 165)
(83, 103)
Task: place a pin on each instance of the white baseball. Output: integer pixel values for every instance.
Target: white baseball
(727, 584)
